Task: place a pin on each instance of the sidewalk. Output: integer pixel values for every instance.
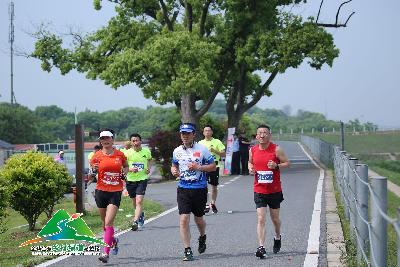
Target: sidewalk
(391, 186)
(334, 235)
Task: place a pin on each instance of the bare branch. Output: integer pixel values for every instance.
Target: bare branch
(319, 10)
(337, 14)
(19, 52)
(347, 20)
(336, 24)
(262, 90)
(215, 91)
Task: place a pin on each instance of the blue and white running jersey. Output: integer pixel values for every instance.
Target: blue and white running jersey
(182, 157)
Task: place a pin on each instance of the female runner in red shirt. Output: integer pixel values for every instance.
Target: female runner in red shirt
(111, 166)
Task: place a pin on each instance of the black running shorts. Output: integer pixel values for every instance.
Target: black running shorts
(136, 188)
(213, 177)
(192, 201)
(272, 200)
(104, 198)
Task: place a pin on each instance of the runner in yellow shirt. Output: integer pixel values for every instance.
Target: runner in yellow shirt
(139, 161)
(217, 149)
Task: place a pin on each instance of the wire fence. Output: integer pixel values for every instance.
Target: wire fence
(364, 200)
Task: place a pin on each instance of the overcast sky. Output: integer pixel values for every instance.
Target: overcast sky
(363, 82)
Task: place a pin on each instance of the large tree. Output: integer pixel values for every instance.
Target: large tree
(183, 51)
(19, 125)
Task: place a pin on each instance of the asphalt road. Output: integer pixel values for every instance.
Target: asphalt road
(231, 237)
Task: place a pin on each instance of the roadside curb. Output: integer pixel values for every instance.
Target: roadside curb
(334, 233)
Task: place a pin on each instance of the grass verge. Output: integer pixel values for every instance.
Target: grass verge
(392, 176)
(12, 255)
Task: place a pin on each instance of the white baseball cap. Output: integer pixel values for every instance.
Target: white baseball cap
(105, 134)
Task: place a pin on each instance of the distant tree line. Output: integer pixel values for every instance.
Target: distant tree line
(19, 124)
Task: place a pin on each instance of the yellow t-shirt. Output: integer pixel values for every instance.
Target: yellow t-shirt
(217, 145)
(138, 159)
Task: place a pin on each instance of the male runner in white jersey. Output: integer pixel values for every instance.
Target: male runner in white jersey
(190, 162)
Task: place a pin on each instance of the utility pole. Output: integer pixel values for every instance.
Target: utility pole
(11, 40)
(341, 135)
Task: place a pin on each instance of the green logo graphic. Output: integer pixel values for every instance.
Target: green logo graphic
(63, 226)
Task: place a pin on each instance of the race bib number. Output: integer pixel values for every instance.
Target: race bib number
(138, 165)
(188, 175)
(111, 178)
(264, 177)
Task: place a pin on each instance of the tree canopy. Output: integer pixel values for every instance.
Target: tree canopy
(184, 51)
(52, 124)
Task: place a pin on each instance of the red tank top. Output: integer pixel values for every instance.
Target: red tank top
(266, 180)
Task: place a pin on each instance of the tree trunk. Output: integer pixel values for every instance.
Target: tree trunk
(188, 109)
(49, 211)
(234, 119)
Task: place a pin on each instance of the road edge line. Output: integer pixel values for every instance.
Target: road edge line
(312, 255)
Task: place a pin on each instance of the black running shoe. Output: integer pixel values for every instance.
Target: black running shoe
(202, 243)
(104, 258)
(135, 226)
(188, 255)
(261, 253)
(207, 209)
(214, 208)
(277, 245)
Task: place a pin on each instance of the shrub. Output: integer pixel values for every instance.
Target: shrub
(162, 145)
(4, 197)
(35, 183)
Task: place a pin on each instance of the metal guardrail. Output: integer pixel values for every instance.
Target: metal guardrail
(364, 200)
(320, 149)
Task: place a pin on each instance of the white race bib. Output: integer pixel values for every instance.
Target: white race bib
(188, 175)
(138, 165)
(265, 177)
(111, 178)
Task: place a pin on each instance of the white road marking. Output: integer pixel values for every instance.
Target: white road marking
(312, 255)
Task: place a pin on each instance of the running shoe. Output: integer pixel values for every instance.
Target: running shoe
(207, 208)
(114, 246)
(188, 255)
(104, 258)
(214, 208)
(141, 220)
(202, 243)
(135, 226)
(277, 245)
(261, 253)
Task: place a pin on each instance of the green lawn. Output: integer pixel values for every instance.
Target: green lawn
(388, 142)
(391, 175)
(393, 204)
(12, 255)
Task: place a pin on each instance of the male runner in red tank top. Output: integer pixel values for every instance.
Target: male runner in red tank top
(265, 161)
